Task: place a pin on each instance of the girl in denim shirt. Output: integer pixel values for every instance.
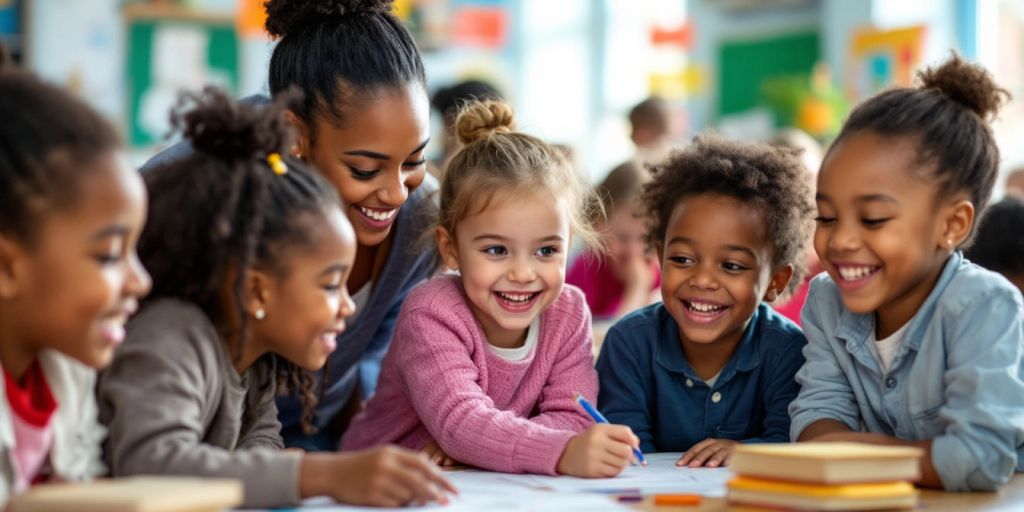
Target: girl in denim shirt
(909, 343)
(712, 365)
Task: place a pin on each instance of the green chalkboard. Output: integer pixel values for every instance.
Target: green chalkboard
(745, 64)
(216, 50)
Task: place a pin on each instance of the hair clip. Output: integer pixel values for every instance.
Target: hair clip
(277, 164)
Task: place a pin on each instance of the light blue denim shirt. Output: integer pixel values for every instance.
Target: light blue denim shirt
(957, 377)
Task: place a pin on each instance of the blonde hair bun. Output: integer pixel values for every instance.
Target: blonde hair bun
(481, 119)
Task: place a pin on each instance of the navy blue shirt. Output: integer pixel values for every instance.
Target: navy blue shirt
(647, 383)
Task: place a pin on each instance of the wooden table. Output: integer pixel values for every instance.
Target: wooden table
(1009, 498)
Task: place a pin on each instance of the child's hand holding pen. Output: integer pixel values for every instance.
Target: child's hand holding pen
(603, 450)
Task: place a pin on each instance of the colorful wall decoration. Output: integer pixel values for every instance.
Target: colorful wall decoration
(883, 58)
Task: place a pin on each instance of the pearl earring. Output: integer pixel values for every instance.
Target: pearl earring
(260, 314)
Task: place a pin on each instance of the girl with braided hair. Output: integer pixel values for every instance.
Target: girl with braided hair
(250, 253)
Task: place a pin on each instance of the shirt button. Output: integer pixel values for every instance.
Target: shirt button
(716, 397)
(890, 382)
(689, 383)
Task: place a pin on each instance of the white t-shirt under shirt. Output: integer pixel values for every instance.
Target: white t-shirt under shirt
(520, 353)
(885, 349)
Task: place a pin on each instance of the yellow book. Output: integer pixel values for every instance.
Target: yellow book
(773, 493)
(827, 463)
(136, 494)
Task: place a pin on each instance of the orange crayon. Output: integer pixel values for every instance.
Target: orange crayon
(677, 499)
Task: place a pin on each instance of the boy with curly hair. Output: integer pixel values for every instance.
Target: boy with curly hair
(712, 365)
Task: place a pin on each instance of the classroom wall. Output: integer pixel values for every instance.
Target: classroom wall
(572, 68)
(714, 24)
(79, 44)
(839, 20)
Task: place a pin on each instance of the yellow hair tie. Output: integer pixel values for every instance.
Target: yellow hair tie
(276, 164)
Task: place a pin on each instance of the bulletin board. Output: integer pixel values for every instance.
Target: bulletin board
(745, 64)
(169, 50)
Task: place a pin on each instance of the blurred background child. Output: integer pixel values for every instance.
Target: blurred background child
(623, 278)
(999, 245)
(71, 212)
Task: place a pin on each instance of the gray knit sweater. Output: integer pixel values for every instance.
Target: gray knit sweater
(175, 405)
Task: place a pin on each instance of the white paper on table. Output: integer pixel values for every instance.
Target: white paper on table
(494, 492)
(659, 476)
(509, 499)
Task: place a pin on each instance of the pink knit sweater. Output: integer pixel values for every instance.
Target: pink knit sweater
(440, 381)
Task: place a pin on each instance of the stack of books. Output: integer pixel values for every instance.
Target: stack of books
(825, 476)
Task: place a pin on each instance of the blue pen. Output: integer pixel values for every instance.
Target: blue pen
(599, 418)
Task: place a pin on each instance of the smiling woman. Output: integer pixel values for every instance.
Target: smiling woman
(363, 122)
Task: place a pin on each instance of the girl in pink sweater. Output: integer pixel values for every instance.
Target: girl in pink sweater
(484, 365)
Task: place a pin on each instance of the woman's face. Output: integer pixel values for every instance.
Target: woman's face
(374, 157)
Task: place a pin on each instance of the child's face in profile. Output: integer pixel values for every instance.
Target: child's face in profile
(80, 279)
(878, 227)
(306, 305)
(716, 268)
(512, 259)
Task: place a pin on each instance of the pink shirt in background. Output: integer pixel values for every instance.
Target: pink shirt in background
(32, 405)
(603, 290)
(439, 380)
(791, 309)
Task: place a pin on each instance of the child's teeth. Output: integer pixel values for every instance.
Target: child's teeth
(704, 308)
(854, 273)
(515, 297)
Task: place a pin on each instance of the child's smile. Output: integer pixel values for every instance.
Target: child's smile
(306, 305)
(85, 267)
(716, 267)
(703, 311)
(853, 275)
(517, 302)
(877, 227)
(512, 260)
